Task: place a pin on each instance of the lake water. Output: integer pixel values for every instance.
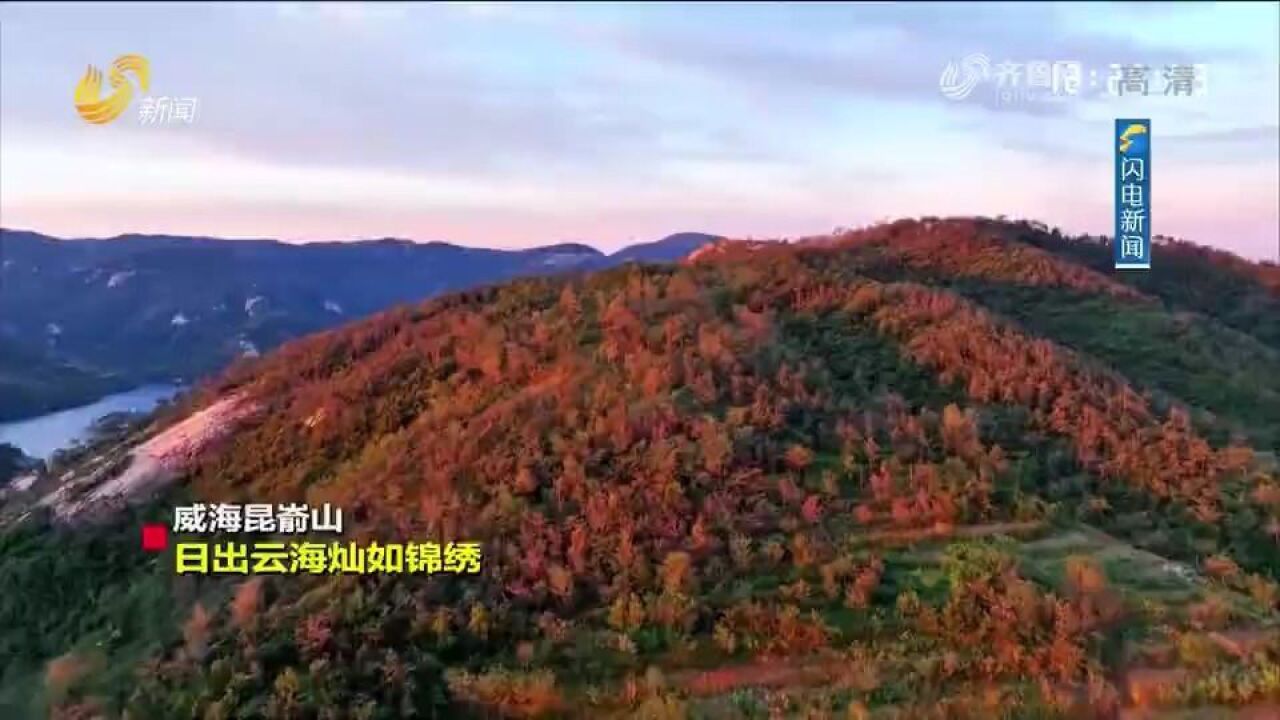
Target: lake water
(40, 436)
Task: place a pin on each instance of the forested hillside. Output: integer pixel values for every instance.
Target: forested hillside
(939, 468)
(32, 382)
(92, 316)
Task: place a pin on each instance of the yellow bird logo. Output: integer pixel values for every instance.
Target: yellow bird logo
(99, 110)
(1126, 137)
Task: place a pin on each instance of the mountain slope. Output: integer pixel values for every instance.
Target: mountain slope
(1210, 359)
(860, 472)
(152, 308)
(667, 249)
(1238, 293)
(32, 383)
(12, 463)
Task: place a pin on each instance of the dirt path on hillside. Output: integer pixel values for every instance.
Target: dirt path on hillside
(777, 672)
(958, 531)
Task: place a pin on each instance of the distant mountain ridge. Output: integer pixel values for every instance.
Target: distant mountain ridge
(668, 248)
(141, 308)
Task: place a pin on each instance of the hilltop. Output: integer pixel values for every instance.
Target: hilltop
(936, 466)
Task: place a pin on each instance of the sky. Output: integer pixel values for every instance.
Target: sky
(512, 125)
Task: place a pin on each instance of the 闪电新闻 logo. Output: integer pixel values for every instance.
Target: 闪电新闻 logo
(1131, 137)
(101, 110)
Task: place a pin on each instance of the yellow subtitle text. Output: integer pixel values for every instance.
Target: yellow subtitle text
(313, 558)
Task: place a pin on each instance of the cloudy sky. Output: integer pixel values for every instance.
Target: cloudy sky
(512, 125)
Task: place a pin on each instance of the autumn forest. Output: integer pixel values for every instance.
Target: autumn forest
(935, 468)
